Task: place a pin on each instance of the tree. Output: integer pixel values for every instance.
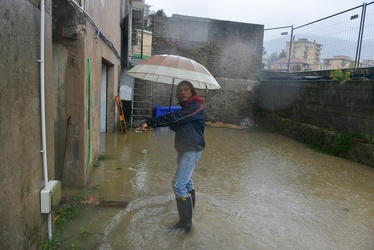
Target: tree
(283, 54)
(273, 57)
(151, 17)
(264, 52)
(297, 67)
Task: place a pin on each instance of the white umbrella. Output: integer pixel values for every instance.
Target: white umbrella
(172, 69)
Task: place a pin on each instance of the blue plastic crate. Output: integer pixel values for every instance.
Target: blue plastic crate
(163, 110)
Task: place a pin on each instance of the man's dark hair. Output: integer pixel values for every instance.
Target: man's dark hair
(193, 90)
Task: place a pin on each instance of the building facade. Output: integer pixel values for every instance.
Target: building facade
(142, 44)
(338, 62)
(81, 48)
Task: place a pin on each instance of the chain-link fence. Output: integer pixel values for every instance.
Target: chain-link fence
(341, 41)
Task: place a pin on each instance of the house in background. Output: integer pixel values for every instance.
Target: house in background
(367, 63)
(338, 62)
(142, 44)
(295, 65)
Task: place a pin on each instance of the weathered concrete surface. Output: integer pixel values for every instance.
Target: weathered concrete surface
(79, 54)
(227, 49)
(22, 226)
(342, 107)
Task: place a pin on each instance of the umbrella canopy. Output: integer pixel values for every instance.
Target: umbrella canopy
(172, 69)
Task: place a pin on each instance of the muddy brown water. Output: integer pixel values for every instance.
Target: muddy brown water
(254, 190)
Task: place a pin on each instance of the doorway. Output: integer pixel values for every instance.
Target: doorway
(103, 97)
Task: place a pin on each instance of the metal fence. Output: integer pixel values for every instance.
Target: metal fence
(340, 41)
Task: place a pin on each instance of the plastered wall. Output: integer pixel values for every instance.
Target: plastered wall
(22, 226)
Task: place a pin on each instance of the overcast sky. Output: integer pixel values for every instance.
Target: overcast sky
(271, 13)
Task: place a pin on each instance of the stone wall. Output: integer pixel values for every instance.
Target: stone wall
(227, 49)
(342, 107)
(231, 51)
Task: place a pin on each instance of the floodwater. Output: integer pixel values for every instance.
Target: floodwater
(254, 190)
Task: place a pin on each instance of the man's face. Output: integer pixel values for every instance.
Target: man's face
(184, 93)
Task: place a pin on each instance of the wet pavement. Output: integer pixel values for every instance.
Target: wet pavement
(254, 190)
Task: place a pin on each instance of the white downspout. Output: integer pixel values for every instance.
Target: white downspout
(42, 110)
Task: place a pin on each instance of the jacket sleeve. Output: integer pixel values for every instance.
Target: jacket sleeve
(186, 115)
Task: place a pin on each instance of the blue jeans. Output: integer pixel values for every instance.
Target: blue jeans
(183, 183)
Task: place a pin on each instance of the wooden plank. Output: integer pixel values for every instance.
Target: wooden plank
(110, 203)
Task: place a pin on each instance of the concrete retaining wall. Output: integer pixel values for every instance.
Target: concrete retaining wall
(342, 107)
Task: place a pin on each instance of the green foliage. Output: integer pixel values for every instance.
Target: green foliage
(67, 214)
(273, 58)
(342, 143)
(296, 68)
(85, 233)
(340, 75)
(275, 115)
(52, 244)
(283, 54)
(264, 52)
(299, 121)
(152, 18)
(368, 139)
(318, 147)
(325, 128)
(79, 197)
(102, 157)
(77, 245)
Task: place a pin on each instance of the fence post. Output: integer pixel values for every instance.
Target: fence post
(360, 36)
(289, 52)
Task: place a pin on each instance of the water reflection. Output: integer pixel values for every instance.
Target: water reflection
(255, 190)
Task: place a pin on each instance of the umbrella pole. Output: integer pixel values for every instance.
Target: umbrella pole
(171, 95)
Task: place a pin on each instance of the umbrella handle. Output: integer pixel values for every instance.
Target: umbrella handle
(171, 95)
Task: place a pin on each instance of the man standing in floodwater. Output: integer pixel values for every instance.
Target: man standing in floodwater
(188, 125)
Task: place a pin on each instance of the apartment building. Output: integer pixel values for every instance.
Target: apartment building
(308, 51)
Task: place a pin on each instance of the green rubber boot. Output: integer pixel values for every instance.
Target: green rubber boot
(185, 213)
(192, 193)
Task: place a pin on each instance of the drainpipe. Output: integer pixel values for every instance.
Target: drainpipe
(129, 35)
(42, 110)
